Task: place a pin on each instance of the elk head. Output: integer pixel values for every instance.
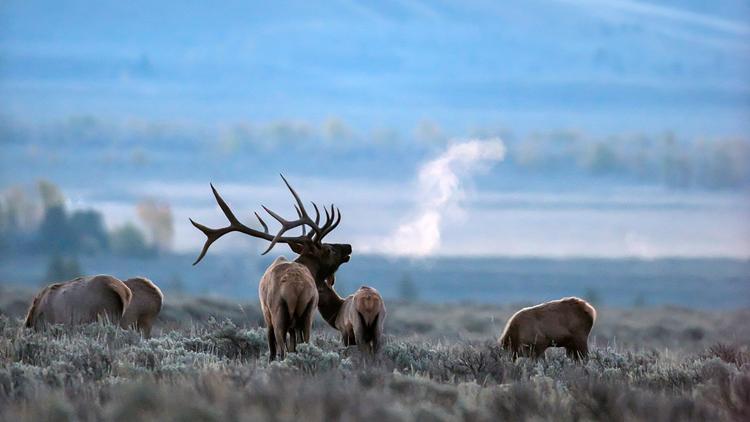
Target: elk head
(322, 259)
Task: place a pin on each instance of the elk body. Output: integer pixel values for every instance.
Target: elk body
(360, 317)
(144, 307)
(559, 323)
(79, 301)
(288, 298)
(288, 288)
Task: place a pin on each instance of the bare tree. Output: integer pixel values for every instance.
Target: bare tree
(157, 217)
(51, 194)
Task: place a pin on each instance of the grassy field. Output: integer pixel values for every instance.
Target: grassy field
(208, 361)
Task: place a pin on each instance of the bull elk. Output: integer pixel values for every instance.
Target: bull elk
(287, 290)
(79, 301)
(360, 317)
(559, 323)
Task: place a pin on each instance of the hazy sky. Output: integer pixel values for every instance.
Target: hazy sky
(606, 66)
(120, 100)
(635, 222)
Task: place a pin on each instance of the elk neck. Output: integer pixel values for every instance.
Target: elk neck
(329, 302)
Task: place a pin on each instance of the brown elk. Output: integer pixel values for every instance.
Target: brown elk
(287, 290)
(79, 301)
(559, 323)
(360, 317)
(144, 306)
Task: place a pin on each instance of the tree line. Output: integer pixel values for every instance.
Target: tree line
(40, 221)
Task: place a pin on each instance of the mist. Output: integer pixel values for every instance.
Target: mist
(440, 188)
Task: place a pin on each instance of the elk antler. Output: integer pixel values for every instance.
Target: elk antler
(317, 233)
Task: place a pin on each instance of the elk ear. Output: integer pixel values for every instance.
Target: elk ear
(297, 248)
(302, 247)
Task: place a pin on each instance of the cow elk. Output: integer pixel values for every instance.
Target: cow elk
(287, 290)
(559, 323)
(79, 301)
(144, 306)
(360, 317)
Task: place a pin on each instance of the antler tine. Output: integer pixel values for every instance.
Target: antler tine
(275, 240)
(304, 217)
(338, 220)
(327, 230)
(317, 213)
(333, 213)
(296, 197)
(313, 232)
(224, 207)
(214, 234)
(329, 221)
(299, 214)
(318, 233)
(285, 226)
(278, 218)
(262, 223)
(211, 236)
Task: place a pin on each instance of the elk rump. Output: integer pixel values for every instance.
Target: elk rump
(288, 298)
(362, 319)
(144, 307)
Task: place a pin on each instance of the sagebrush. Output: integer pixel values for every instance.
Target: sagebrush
(214, 369)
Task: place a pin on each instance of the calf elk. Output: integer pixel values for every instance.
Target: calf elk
(79, 301)
(287, 290)
(144, 306)
(360, 317)
(560, 323)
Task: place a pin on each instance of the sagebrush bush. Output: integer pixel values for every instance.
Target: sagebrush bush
(217, 369)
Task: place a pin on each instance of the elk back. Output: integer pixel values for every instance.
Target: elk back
(79, 301)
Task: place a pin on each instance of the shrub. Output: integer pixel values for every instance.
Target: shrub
(218, 370)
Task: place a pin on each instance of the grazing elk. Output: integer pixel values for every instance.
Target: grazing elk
(287, 290)
(360, 317)
(559, 323)
(79, 301)
(144, 306)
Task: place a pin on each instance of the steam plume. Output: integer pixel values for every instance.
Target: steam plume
(440, 186)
